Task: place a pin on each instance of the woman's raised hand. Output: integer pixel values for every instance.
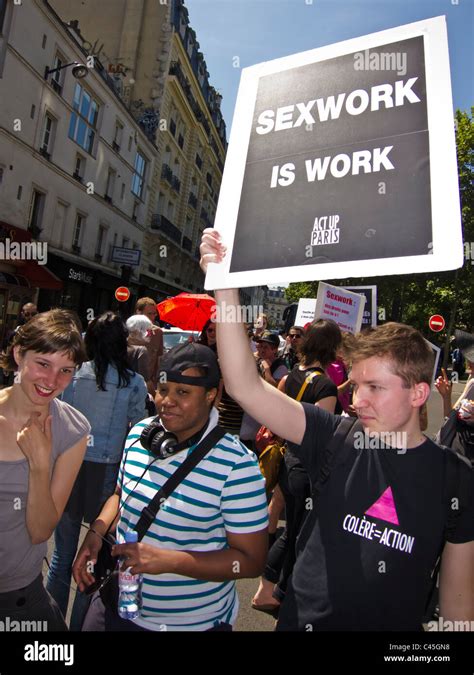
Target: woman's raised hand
(443, 384)
(35, 442)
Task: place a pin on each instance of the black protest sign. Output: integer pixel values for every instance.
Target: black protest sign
(369, 316)
(337, 176)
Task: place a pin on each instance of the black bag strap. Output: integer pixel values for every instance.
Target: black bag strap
(336, 451)
(148, 514)
(338, 441)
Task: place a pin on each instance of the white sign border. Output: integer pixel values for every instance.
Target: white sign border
(447, 251)
(437, 351)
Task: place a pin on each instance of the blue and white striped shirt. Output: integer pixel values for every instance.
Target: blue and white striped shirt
(225, 492)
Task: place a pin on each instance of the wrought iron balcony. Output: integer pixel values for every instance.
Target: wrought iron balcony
(176, 70)
(161, 223)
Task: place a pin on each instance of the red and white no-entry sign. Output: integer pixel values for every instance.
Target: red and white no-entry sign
(436, 323)
(122, 294)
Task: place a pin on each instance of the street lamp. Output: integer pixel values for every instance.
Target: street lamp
(79, 70)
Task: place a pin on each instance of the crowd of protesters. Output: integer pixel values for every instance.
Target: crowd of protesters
(95, 424)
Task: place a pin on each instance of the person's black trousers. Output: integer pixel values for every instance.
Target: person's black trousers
(296, 488)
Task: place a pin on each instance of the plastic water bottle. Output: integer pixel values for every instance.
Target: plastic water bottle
(129, 587)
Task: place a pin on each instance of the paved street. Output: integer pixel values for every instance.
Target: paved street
(249, 619)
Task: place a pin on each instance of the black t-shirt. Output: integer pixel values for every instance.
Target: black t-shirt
(366, 564)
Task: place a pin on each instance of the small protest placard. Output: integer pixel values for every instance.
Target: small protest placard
(342, 163)
(343, 307)
(369, 317)
(305, 312)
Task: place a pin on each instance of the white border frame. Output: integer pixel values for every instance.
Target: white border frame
(437, 351)
(447, 242)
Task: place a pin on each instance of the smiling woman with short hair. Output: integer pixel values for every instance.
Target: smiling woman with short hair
(43, 441)
(112, 397)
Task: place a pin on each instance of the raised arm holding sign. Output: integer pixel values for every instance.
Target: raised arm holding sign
(262, 401)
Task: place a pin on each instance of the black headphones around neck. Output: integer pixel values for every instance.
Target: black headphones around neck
(161, 443)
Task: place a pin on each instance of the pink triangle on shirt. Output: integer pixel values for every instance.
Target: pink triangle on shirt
(384, 508)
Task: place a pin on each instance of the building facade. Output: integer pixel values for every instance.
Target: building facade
(275, 305)
(164, 80)
(76, 168)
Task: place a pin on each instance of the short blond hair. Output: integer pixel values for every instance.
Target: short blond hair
(142, 303)
(411, 357)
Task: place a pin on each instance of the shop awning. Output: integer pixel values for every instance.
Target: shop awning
(38, 276)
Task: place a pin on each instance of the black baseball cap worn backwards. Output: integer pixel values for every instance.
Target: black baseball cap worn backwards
(191, 355)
